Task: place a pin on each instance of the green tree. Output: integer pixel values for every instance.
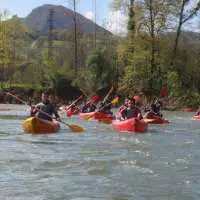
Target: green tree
(100, 72)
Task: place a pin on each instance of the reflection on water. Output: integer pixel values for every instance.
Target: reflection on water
(99, 164)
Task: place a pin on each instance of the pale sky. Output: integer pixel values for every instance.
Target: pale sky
(114, 22)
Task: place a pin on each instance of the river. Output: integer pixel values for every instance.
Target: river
(99, 164)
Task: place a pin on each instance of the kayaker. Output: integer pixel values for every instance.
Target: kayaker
(198, 113)
(88, 107)
(124, 106)
(72, 110)
(155, 109)
(105, 108)
(131, 111)
(47, 107)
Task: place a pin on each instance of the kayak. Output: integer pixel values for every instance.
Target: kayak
(156, 120)
(71, 112)
(105, 121)
(86, 116)
(130, 125)
(37, 126)
(189, 110)
(196, 117)
(95, 116)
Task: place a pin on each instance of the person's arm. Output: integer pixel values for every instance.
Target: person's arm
(36, 108)
(55, 112)
(124, 114)
(139, 116)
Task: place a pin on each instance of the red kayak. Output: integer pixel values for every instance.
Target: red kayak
(130, 125)
(156, 120)
(189, 110)
(196, 117)
(71, 112)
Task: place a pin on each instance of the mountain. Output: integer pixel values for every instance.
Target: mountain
(63, 18)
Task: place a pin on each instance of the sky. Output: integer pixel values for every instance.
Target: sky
(115, 22)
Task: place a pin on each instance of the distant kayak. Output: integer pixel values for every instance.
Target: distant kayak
(156, 120)
(71, 112)
(130, 125)
(190, 110)
(196, 117)
(39, 126)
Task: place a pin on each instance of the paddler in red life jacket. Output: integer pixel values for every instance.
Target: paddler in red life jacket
(47, 107)
(131, 111)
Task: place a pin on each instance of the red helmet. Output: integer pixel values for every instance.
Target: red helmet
(137, 98)
(95, 98)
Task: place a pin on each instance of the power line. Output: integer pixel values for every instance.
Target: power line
(75, 38)
(95, 21)
(50, 34)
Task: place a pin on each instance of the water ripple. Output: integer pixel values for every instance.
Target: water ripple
(100, 164)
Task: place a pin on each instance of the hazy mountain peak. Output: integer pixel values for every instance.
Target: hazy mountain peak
(63, 18)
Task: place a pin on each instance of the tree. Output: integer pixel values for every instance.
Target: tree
(100, 72)
(17, 45)
(184, 14)
(4, 48)
(147, 22)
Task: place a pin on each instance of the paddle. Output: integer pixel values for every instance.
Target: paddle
(113, 102)
(73, 127)
(148, 120)
(67, 108)
(73, 103)
(108, 94)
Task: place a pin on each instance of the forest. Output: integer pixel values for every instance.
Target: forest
(159, 51)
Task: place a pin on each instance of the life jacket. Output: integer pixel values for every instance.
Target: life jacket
(46, 107)
(156, 108)
(88, 108)
(130, 113)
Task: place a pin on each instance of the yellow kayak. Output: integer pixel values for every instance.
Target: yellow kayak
(37, 126)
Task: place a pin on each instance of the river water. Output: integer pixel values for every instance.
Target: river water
(99, 164)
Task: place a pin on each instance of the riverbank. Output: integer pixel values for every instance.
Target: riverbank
(32, 97)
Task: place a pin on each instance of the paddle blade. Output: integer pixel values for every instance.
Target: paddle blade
(76, 128)
(148, 120)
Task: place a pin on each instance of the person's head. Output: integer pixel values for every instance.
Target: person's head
(73, 106)
(51, 97)
(101, 103)
(157, 101)
(131, 103)
(126, 101)
(45, 96)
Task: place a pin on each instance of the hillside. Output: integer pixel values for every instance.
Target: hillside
(63, 18)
